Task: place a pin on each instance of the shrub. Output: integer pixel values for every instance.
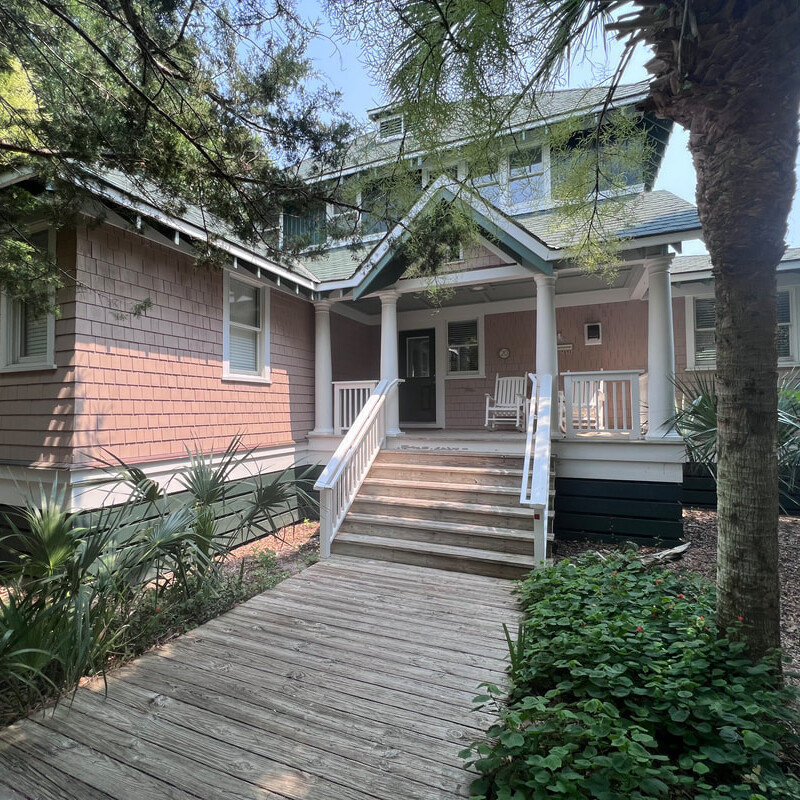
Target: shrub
(622, 687)
(83, 590)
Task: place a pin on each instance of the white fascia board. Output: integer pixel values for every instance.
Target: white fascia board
(88, 488)
(193, 231)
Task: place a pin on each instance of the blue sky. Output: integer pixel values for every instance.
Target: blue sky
(340, 62)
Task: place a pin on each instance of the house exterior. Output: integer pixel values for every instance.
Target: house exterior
(288, 354)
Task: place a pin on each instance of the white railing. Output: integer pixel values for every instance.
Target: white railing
(342, 477)
(349, 397)
(535, 491)
(605, 401)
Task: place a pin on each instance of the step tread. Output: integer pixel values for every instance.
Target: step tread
(476, 508)
(506, 472)
(433, 549)
(442, 486)
(437, 525)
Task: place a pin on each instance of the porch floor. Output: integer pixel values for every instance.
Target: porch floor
(350, 681)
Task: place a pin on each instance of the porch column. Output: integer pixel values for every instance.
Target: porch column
(323, 370)
(546, 337)
(389, 365)
(660, 350)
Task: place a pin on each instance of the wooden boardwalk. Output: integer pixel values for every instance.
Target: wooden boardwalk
(350, 681)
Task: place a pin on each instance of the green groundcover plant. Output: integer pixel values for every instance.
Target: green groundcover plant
(623, 687)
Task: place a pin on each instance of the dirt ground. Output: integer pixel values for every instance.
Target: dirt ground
(295, 546)
(700, 528)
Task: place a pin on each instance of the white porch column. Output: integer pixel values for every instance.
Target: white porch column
(389, 365)
(323, 370)
(660, 350)
(546, 337)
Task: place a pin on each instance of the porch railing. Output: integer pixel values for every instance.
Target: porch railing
(605, 401)
(342, 477)
(535, 489)
(349, 397)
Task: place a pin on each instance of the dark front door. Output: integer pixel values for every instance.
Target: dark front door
(418, 371)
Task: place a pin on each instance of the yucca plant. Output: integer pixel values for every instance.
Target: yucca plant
(74, 582)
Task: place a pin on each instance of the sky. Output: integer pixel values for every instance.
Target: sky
(340, 62)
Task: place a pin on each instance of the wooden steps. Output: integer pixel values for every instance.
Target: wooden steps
(453, 511)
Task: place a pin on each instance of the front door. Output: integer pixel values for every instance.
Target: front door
(418, 371)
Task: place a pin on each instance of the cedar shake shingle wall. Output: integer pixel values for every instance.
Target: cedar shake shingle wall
(151, 385)
(355, 349)
(624, 346)
(37, 407)
(465, 401)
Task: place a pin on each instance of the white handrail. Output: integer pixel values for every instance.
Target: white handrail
(345, 472)
(535, 489)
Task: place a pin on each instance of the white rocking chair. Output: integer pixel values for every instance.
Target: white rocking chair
(508, 405)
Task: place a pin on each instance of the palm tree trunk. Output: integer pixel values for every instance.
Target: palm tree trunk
(744, 153)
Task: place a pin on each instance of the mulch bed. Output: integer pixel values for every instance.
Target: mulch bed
(700, 528)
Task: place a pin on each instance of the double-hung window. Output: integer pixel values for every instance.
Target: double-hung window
(26, 339)
(463, 348)
(246, 329)
(703, 352)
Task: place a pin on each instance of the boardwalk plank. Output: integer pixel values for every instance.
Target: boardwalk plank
(261, 687)
(264, 738)
(366, 670)
(353, 681)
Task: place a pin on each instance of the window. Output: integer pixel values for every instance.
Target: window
(525, 176)
(702, 329)
(246, 335)
(705, 345)
(26, 340)
(304, 227)
(462, 347)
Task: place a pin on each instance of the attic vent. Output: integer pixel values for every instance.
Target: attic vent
(393, 126)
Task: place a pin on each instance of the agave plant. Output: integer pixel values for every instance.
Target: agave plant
(696, 422)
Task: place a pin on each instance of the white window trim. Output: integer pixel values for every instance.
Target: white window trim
(264, 375)
(462, 317)
(793, 361)
(592, 342)
(9, 362)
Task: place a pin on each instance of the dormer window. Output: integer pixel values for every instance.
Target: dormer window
(391, 127)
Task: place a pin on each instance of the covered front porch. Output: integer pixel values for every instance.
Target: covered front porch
(610, 350)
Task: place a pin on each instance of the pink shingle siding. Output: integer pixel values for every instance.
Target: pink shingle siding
(37, 407)
(144, 387)
(355, 349)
